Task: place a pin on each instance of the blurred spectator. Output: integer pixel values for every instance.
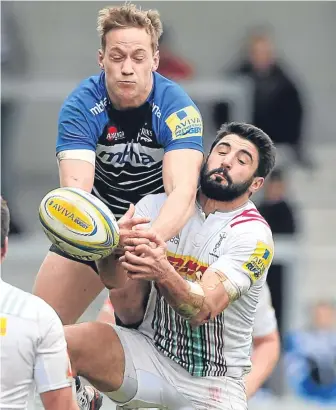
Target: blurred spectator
(172, 65)
(280, 215)
(13, 66)
(311, 356)
(275, 207)
(277, 106)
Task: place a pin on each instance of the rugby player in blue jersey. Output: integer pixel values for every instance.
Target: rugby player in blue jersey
(123, 134)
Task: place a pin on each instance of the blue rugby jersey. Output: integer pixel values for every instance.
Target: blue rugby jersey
(129, 144)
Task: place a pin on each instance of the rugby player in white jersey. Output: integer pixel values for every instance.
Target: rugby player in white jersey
(265, 339)
(33, 347)
(196, 295)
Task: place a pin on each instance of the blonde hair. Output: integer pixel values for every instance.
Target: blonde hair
(129, 15)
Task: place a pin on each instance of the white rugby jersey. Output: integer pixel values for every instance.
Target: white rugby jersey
(265, 321)
(32, 348)
(238, 243)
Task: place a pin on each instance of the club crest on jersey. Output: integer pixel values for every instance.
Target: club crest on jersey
(145, 135)
(114, 135)
(259, 261)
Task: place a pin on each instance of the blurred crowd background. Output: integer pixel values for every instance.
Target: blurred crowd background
(269, 63)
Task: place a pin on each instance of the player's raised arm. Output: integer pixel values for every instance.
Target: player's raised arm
(76, 144)
(182, 138)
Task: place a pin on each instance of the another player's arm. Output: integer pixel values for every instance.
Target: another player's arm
(52, 371)
(266, 343)
(181, 135)
(181, 169)
(76, 145)
(266, 352)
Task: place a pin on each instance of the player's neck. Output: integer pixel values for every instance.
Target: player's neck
(210, 206)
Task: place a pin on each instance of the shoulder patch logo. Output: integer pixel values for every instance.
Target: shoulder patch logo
(259, 261)
(185, 123)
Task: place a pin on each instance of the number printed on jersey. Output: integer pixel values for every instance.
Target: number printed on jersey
(185, 123)
(259, 261)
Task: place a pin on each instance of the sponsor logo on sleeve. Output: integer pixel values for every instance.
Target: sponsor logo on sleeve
(259, 261)
(185, 123)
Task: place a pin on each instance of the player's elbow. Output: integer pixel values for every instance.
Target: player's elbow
(209, 311)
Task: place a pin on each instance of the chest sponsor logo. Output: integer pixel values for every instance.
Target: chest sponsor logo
(99, 107)
(126, 155)
(114, 135)
(188, 267)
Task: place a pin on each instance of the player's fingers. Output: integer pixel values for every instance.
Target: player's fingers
(132, 268)
(139, 220)
(144, 249)
(137, 275)
(134, 259)
(136, 241)
(128, 215)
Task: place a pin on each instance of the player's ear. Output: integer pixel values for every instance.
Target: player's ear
(100, 58)
(257, 183)
(156, 60)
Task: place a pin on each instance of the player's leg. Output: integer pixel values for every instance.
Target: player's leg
(121, 363)
(67, 285)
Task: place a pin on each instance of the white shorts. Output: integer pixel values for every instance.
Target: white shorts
(152, 380)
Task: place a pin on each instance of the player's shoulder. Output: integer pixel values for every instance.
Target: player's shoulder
(169, 97)
(153, 200)
(16, 302)
(90, 95)
(249, 222)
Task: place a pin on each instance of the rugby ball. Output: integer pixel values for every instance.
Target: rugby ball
(79, 224)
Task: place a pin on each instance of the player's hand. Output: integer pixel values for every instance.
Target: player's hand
(139, 236)
(127, 224)
(146, 262)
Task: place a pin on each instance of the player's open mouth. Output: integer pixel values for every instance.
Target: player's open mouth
(219, 178)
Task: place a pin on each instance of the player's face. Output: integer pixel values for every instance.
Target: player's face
(229, 171)
(128, 61)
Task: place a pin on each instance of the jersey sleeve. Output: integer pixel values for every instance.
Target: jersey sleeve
(52, 369)
(265, 321)
(247, 259)
(150, 206)
(182, 124)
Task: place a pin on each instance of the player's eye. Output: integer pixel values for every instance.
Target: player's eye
(116, 57)
(222, 152)
(241, 161)
(139, 58)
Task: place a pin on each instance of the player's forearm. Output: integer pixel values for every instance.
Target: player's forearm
(175, 212)
(130, 302)
(186, 298)
(111, 273)
(264, 358)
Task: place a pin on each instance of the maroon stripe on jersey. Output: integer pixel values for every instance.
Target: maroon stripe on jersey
(261, 219)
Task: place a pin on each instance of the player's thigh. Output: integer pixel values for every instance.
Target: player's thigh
(152, 388)
(68, 286)
(96, 353)
(218, 393)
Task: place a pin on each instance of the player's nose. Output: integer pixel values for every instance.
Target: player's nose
(127, 67)
(226, 161)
